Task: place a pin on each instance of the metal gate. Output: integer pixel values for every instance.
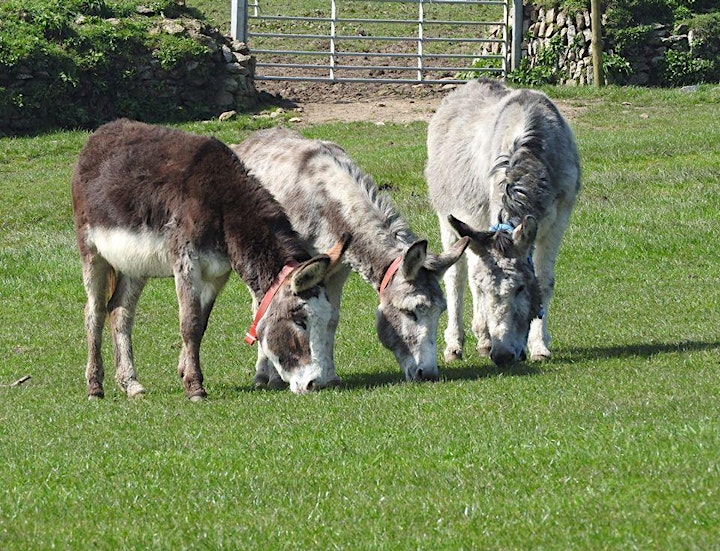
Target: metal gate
(384, 41)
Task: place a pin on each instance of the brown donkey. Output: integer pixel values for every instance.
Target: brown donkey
(154, 202)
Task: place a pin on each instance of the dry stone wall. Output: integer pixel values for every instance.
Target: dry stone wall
(222, 81)
(570, 35)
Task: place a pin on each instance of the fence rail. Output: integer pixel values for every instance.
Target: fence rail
(342, 45)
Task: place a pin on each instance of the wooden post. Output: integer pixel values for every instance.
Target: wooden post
(596, 42)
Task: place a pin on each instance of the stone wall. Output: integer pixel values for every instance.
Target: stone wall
(223, 81)
(570, 34)
(231, 83)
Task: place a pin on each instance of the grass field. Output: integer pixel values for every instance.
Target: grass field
(613, 444)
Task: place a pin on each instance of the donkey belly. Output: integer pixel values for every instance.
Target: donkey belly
(148, 254)
(135, 253)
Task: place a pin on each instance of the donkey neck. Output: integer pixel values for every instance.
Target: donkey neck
(259, 254)
(371, 258)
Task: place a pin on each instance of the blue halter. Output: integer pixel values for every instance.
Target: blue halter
(502, 226)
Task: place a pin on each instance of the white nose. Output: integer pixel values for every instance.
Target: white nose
(303, 387)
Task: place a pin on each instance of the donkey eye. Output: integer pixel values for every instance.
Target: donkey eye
(411, 314)
(301, 322)
(519, 290)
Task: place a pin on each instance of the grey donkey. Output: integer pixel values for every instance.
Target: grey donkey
(503, 169)
(326, 194)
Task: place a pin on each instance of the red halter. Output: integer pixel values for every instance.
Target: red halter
(251, 335)
(390, 273)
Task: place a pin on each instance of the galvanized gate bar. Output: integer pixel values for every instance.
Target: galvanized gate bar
(490, 38)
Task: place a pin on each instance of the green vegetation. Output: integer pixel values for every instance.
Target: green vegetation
(612, 444)
(87, 58)
(628, 27)
(631, 23)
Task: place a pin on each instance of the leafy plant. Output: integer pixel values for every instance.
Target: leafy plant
(172, 50)
(481, 64)
(683, 68)
(615, 67)
(544, 69)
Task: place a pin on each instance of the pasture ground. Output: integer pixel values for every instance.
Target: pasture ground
(612, 444)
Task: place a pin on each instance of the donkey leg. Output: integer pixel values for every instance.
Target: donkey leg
(122, 307)
(96, 274)
(479, 319)
(455, 280)
(547, 246)
(266, 376)
(189, 288)
(334, 286)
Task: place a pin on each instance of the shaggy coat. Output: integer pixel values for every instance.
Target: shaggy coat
(325, 194)
(504, 166)
(155, 202)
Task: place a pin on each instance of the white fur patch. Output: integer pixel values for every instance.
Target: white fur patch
(147, 254)
(140, 254)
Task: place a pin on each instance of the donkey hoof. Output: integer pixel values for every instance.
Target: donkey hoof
(540, 356)
(335, 382)
(95, 397)
(135, 390)
(483, 351)
(453, 354)
(260, 380)
(276, 384)
(196, 395)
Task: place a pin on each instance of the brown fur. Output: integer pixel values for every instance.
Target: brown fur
(190, 198)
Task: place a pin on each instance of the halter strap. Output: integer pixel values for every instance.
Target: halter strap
(501, 226)
(390, 273)
(251, 335)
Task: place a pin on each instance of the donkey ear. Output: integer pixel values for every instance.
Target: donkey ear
(338, 250)
(479, 241)
(440, 263)
(414, 259)
(310, 273)
(524, 235)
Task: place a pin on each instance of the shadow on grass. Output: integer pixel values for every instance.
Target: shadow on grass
(456, 372)
(476, 369)
(640, 350)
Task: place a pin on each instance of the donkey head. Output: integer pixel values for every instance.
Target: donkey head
(506, 280)
(293, 332)
(410, 306)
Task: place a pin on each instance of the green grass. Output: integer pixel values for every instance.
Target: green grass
(611, 444)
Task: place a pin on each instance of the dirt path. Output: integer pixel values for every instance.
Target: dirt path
(312, 103)
(378, 111)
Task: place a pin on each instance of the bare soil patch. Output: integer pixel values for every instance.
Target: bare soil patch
(316, 103)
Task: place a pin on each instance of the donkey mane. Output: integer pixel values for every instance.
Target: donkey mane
(380, 202)
(527, 186)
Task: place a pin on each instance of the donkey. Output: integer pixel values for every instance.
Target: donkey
(502, 169)
(326, 194)
(154, 202)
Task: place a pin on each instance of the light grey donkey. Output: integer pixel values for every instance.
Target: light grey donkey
(325, 194)
(503, 169)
